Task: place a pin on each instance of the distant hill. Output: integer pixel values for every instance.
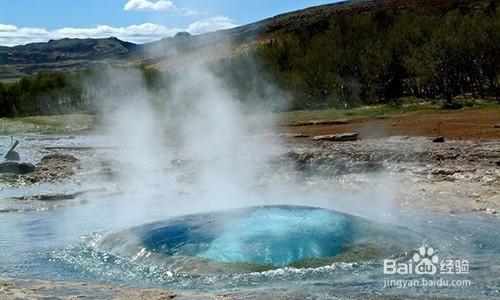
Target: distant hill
(60, 55)
(338, 55)
(78, 54)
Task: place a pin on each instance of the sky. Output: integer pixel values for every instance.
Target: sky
(138, 21)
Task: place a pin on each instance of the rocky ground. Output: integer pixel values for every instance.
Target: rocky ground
(14, 289)
(11, 289)
(457, 176)
(52, 168)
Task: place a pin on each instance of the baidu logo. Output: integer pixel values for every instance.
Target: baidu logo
(426, 261)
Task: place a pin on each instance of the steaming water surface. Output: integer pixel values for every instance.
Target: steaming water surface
(268, 236)
(77, 244)
(159, 239)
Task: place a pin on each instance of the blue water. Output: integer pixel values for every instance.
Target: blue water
(279, 236)
(264, 235)
(277, 248)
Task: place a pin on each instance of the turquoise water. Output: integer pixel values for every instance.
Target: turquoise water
(273, 248)
(269, 236)
(279, 236)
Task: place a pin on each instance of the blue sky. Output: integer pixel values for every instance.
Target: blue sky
(24, 21)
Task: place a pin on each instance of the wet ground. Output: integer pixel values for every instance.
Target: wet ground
(53, 221)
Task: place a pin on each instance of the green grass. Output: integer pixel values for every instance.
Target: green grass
(47, 124)
(364, 111)
(408, 106)
(78, 122)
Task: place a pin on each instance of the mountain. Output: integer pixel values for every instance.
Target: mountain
(60, 55)
(79, 54)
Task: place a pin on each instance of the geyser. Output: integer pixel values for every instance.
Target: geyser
(279, 236)
(264, 235)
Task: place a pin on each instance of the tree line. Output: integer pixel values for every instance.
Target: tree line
(54, 93)
(381, 56)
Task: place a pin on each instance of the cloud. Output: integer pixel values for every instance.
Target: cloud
(164, 5)
(186, 12)
(210, 24)
(11, 35)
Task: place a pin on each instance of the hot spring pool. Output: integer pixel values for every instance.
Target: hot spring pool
(261, 236)
(274, 249)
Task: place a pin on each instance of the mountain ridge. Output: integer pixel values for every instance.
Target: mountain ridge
(80, 54)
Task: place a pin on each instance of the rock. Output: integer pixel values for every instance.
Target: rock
(439, 139)
(60, 157)
(300, 158)
(445, 156)
(57, 196)
(445, 172)
(321, 122)
(491, 211)
(14, 167)
(293, 135)
(337, 137)
(182, 34)
(50, 197)
(53, 168)
(488, 210)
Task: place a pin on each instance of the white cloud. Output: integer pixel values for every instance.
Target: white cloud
(210, 24)
(5, 28)
(11, 35)
(149, 5)
(165, 5)
(186, 12)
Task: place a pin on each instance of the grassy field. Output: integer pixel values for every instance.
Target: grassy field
(295, 117)
(47, 124)
(78, 122)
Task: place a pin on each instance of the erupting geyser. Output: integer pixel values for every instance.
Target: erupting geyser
(279, 235)
(264, 235)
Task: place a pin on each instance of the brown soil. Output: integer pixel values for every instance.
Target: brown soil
(463, 124)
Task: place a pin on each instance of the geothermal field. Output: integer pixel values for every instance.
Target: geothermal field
(201, 199)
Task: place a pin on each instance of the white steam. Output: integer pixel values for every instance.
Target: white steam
(194, 147)
(219, 136)
(195, 143)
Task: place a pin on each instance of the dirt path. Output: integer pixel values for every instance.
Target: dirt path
(463, 124)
